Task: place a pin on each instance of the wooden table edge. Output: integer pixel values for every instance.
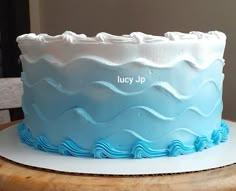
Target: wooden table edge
(5, 125)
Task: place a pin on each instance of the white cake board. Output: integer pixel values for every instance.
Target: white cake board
(224, 154)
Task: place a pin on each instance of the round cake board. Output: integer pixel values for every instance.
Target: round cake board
(221, 155)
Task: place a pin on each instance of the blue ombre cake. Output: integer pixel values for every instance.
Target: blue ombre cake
(130, 96)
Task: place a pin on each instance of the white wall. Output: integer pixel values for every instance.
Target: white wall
(149, 16)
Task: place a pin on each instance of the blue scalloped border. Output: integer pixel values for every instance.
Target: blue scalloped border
(104, 149)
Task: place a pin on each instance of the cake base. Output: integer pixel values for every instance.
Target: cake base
(218, 156)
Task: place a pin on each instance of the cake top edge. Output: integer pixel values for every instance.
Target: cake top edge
(134, 37)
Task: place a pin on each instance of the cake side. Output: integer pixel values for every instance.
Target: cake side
(116, 99)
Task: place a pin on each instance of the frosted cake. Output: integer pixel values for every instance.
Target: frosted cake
(130, 96)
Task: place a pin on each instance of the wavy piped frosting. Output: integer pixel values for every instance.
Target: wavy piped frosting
(177, 148)
(202, 143)
(167, 87)
(42, 143)
(142, 62)
(105, 149)
(220, 135)
(70, 148)
(135, 37)
(83, 114)
(142, 150)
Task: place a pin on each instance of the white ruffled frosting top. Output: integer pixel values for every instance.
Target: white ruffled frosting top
(161, 50)
(135, 37)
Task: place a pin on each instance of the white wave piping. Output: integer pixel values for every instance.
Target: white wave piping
(141, 61)
(83, 113)
(164, 85)
(160, 138)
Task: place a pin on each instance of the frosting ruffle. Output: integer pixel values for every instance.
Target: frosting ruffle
(135, 37)
(104, 149)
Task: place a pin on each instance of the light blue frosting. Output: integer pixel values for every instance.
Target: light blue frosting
(80, 110)
(104, 149)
